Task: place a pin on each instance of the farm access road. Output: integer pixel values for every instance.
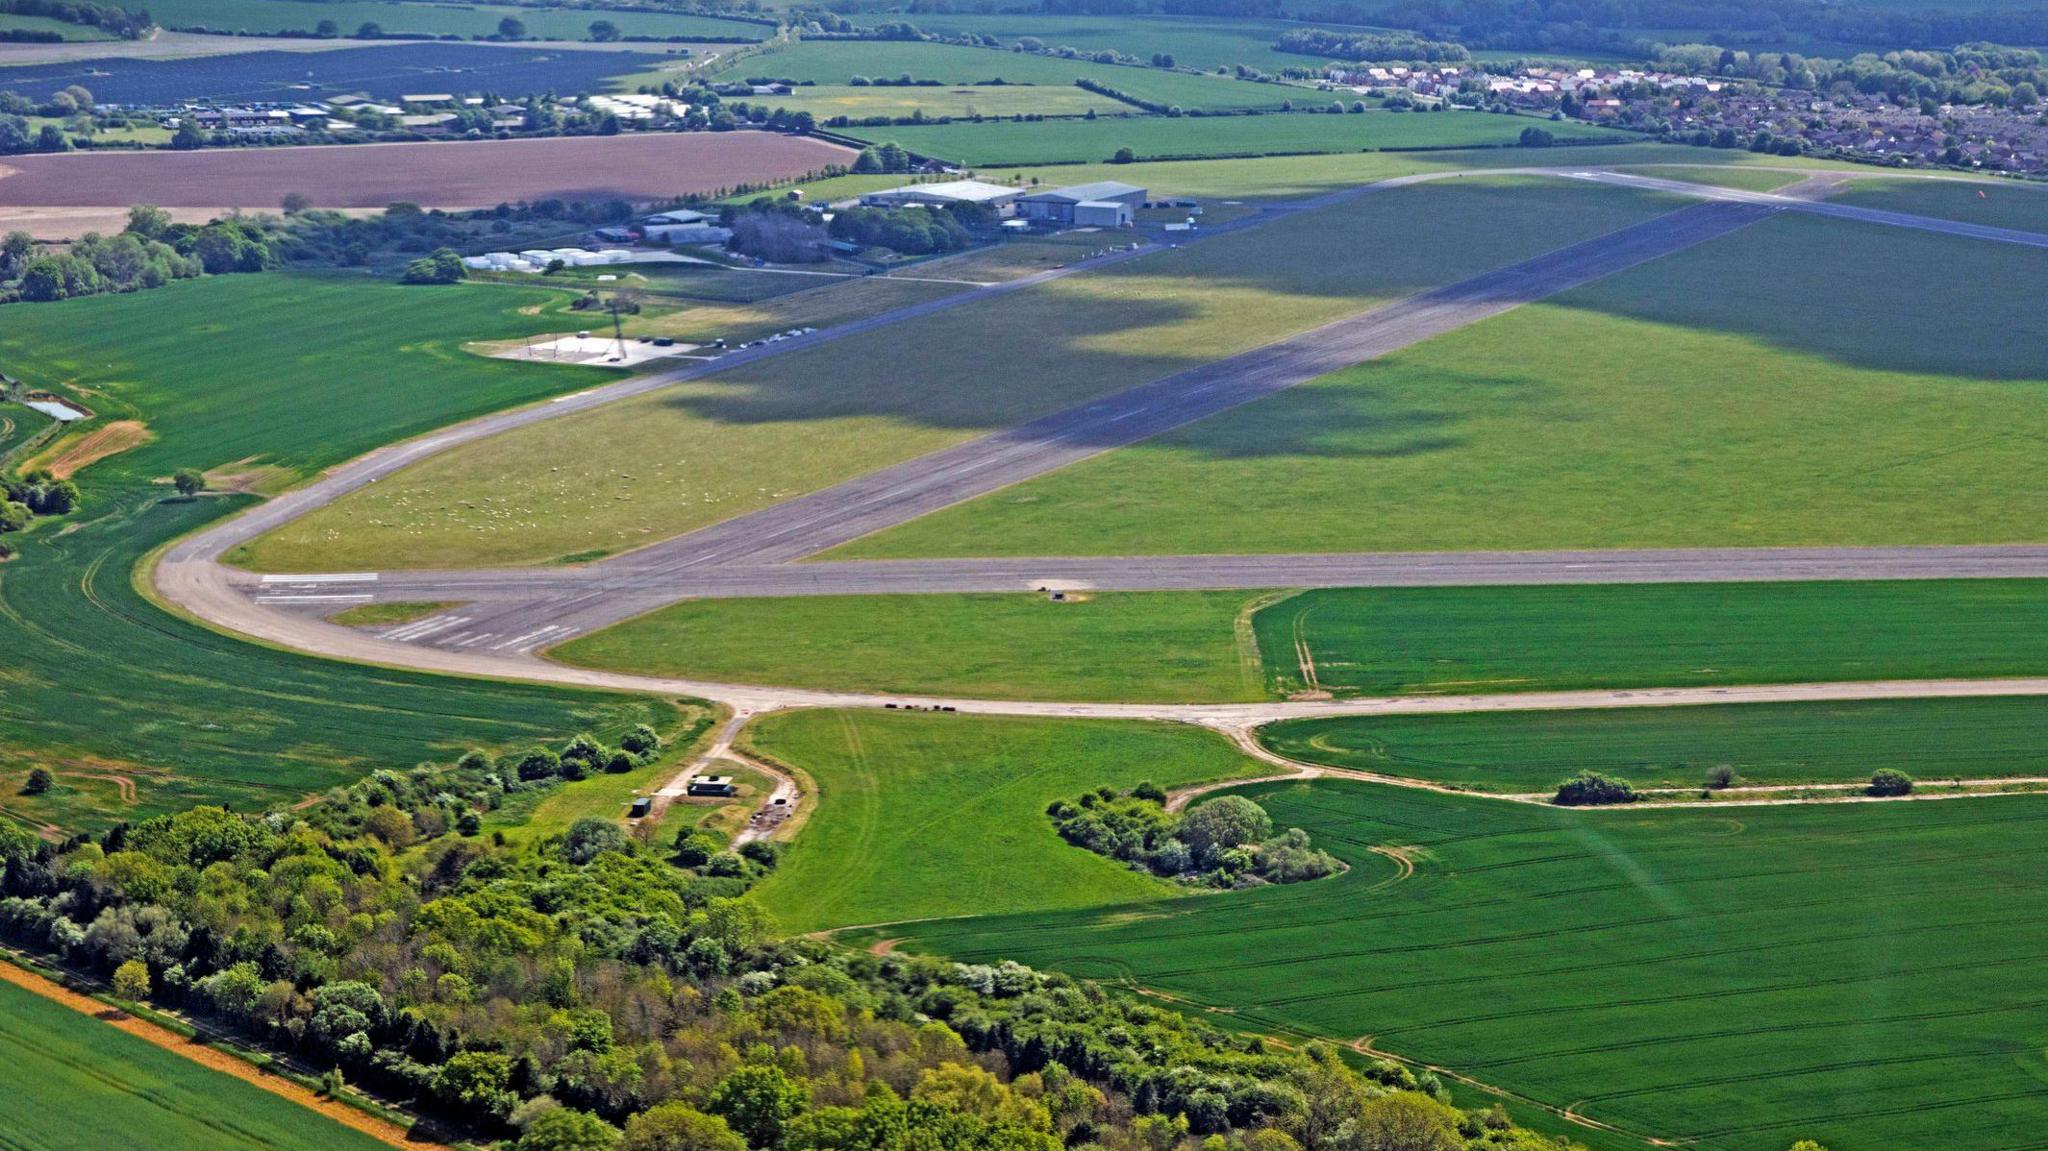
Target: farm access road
(508, 615)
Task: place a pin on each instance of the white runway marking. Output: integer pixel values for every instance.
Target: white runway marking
(309, 598)
(345, 577)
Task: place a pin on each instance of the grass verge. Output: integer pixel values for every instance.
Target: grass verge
(1763, 744)
(924, 815)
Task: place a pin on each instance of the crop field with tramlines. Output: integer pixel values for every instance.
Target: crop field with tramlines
(1729, 981)
(137, 712)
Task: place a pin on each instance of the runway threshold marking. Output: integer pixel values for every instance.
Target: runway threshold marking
(342, 577)
(310, 598)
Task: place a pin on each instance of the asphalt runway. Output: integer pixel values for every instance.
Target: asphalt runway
(508, 615)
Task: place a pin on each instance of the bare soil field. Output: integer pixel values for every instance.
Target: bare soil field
(442, 175)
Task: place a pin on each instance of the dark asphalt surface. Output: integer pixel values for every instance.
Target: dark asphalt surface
(510, 613)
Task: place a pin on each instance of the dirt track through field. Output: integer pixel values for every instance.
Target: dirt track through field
(200, 1053)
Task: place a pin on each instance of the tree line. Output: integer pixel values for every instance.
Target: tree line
(1373, 47)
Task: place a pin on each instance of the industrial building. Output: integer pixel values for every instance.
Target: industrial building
(681, 226)
(997, 196)
(537, 259)
(1104, 204)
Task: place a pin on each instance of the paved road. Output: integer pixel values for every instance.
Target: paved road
(507, 615)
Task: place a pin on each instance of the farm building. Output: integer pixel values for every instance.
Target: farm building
(713, 785)
(995, 196)
(1104, 204)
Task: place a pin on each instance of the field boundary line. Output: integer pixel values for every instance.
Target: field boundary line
(198, 1051)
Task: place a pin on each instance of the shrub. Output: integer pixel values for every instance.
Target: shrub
(694, 848)
(441, 267)
(1890, 781)
(589, 838)
(1590, 788)
(1720, 777)
(1221, 824)
(39, 781)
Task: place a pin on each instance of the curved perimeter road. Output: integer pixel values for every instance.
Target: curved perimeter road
(509, 614)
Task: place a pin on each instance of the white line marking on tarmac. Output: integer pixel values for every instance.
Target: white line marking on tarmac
(406, 633)
(310, 598)
(344, 577)
(520, 639)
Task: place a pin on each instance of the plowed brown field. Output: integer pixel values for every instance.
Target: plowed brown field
(454, 174)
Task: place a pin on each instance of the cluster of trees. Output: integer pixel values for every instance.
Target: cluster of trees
(1967, 74)
(1591, 789)
(1630, 26)
(36, 494)
(1226, 842)
(106, 17)
(442, 266)
(15, 137)
(1890, 781)
(886, 157)
(1369, 47)
(150, 253)
(311, 235)
(913, 231)
(775, 230)
(582, 992)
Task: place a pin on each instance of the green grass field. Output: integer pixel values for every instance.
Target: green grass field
(1865, 976)
(1399, 641)
(138, 712)
(2002, 203)
(1930, 740)
(1213, 647)
(1697, 401)
(19, 425)
(10, 22)
(77, 1082)
(829, 64)
(260, 16)
(1151, 137)
(705, 283)
(818, 301)
(923, 815)
(717, 447)
(828, 100)
(1024, 646)
(1204, 42)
